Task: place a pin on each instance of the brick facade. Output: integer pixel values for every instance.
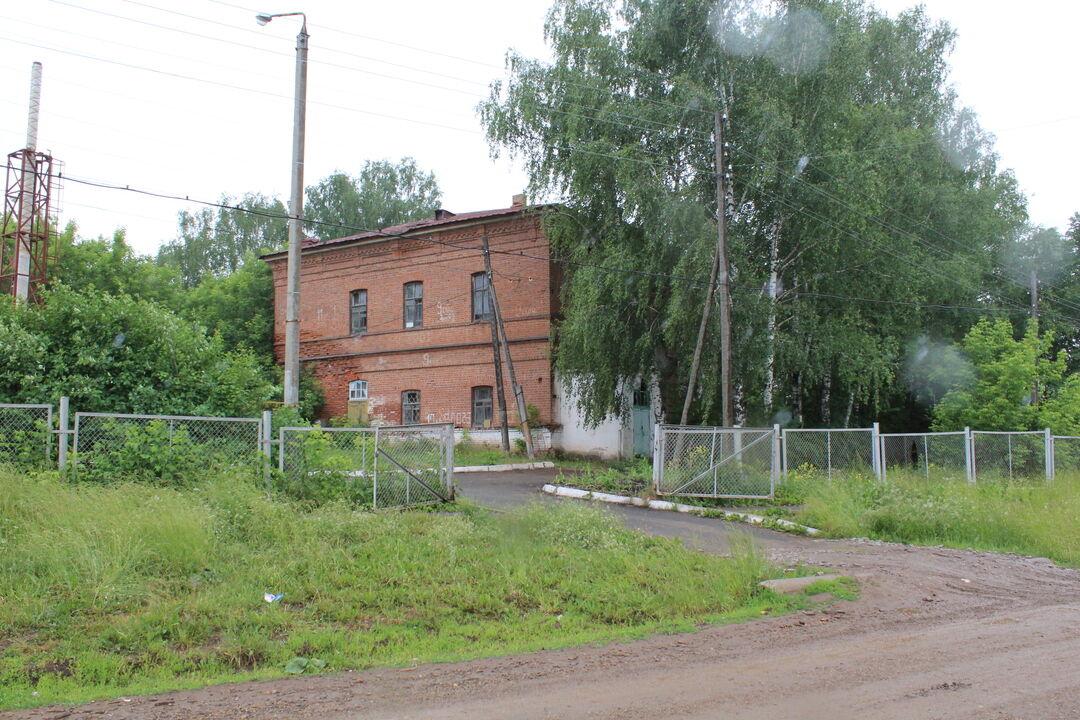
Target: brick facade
(450, 353)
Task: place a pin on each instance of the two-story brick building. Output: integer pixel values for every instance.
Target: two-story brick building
(395, 323)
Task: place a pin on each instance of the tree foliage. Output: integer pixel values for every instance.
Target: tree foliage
(114, 353)
(384, 193)
(856, 174)
(215, 241)
(995, 390)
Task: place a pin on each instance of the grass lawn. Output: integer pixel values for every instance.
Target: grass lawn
(1032, 520)
(122, 588)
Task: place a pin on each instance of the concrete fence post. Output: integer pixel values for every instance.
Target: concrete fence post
(774, 475)
(969, 455)
(658, 456)
(266, 431)
(875, 450)
(448, 459)
(1048, 456)
(62, 433)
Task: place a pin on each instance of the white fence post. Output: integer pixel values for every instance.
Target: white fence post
(777, 458)
(267, 447)
(875, 459)
(1048, 455)
(448, 459)
(658, 456)
(969, 455)
(62, 435)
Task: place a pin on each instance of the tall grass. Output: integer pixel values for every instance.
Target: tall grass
(124, 588)
(1033, 520)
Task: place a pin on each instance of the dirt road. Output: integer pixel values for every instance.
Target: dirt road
(936, 633)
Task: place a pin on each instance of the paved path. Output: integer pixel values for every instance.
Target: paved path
(512, 489)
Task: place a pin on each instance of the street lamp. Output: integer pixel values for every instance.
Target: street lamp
(296, 211)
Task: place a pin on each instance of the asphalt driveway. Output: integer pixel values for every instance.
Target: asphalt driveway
(507, 490)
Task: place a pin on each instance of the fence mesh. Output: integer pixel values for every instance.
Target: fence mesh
(817, 453)
(926, 454)
(1066, 453)
(26, 435)
(1009, 456)
(375, 467)
(716, 462)
(169, 449)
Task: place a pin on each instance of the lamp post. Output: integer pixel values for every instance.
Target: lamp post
(296, 211)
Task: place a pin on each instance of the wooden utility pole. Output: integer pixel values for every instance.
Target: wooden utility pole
(519, 394)
(496, 351)
(1035, 317)
(719, 276)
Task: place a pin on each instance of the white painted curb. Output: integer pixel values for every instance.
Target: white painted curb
(504, 468)
(666, 505)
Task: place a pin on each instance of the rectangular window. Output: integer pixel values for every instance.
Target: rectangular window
(358, 311)
(358, 390)
(410, 407)
(481, 406)
(482, 307)
(414, 305)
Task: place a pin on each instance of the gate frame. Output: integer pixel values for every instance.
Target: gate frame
(660, 445)
(446, 471)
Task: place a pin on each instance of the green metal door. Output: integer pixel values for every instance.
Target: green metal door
(641, 419)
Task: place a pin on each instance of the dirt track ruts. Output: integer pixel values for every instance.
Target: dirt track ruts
(935, 633)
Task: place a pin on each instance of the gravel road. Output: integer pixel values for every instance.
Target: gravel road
(935, 633)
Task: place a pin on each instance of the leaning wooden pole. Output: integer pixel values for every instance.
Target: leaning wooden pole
(496, 348)
(519, 394)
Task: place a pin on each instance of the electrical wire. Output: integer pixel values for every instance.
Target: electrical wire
(565, 261)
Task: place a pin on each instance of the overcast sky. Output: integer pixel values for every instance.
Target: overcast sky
(195, 99)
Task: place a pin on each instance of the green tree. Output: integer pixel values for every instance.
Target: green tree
(109, 265)
(215, 241)
(116, 353)
(239, 307)
(995, 391)
(855, 174)
(383, 194)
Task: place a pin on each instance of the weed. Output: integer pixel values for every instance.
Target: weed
(123, 588)
(1033, 520)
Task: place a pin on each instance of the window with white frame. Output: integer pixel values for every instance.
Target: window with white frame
(358, 390)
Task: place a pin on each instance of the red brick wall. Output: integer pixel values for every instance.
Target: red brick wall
(450, 354)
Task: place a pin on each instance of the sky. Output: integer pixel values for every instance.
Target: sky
(195, 100)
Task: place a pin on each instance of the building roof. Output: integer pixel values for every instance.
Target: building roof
(440, 219)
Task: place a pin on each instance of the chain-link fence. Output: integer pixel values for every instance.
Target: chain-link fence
(1011, 456)
(26, 435)
(716, 462)
(1066, 453)
(169, 449)
(928, 454)
(824, 453)
(380, 467)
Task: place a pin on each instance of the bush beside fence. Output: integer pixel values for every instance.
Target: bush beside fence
(377, 467)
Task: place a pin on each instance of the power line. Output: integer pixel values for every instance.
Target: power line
(325, 63)
(566, 261)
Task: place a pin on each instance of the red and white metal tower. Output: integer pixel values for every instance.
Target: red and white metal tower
(28, 223)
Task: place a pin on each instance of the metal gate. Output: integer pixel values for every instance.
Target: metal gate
(716, 462)
(381, 467)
